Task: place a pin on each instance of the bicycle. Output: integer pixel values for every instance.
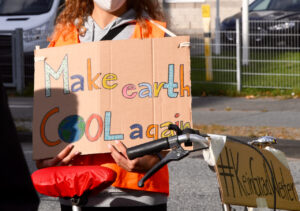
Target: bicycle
(105, 177)
(189, 137)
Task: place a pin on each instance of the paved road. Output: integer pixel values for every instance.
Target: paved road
(21, 107)
(22, 111)
(245, 112)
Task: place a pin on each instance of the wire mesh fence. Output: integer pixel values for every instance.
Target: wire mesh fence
(17, 56)
(223, 64)
(6, 54)
(273, 57)
(11, 61)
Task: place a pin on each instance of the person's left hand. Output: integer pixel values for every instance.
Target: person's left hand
(143, 164)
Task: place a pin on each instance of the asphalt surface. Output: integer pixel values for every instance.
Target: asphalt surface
(246, 112)
(192, 185)
(239, 111)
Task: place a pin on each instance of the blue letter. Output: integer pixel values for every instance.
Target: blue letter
(171, 85)
(138, 133)
(107, 124)
(80, 82)
(145, 92)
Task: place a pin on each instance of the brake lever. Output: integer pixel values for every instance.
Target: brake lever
(176, 154)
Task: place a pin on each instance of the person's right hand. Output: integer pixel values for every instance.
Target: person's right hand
(62, 159)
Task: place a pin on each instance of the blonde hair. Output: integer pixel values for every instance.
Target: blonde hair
(75, 13)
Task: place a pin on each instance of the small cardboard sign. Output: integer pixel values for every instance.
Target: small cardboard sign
(90, 94)
(245, 178)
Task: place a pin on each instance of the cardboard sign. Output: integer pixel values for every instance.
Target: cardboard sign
(245, 178)
(90, 94)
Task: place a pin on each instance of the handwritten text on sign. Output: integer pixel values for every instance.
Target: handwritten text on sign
(244, 176)
(109, 82)
(91, 93)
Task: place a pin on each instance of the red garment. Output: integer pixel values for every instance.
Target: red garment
(70, 181)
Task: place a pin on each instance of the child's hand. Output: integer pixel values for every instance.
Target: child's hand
(62, 159)
(143, 164)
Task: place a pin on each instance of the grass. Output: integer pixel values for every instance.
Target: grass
(268, 73)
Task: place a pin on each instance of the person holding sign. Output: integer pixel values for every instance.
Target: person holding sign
(96, 20)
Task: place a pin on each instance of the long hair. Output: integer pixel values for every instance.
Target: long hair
(75, 13)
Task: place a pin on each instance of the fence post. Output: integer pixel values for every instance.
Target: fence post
(238, 57)
(245, 29)
(18, 59)
(217, 29)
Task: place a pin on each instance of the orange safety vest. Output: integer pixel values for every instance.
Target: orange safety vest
(159, 182)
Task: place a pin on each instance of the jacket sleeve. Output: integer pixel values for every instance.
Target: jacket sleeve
(65, 38)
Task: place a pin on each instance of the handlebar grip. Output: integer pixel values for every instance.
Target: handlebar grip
(148, 148)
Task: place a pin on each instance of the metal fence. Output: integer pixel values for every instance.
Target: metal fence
(11, 59)
(16, 63)
(273, 60)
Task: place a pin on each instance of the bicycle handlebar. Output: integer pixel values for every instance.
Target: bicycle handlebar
(148, 148)
(158, 145)
(187, 136)
(173, 142)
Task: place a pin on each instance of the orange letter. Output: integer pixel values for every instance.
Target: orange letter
(155, 135)
(91, 81)
(44, 121)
